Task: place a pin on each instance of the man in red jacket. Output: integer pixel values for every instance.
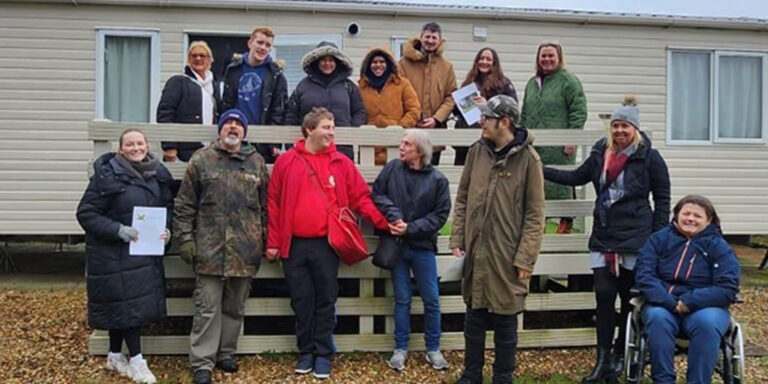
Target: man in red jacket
(297, 232)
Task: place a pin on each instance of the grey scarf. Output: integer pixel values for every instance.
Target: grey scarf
(144, 169)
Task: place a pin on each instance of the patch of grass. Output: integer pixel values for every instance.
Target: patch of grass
(272, 355)
(445, 230)
(754, 277)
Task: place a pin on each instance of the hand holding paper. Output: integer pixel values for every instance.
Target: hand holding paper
(150, 224)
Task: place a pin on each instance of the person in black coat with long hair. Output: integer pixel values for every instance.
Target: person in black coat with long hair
(124, 291)
(489, 78)
(624, 169)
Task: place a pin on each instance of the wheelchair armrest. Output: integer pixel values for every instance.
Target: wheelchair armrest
(738, 299)
(634, 292)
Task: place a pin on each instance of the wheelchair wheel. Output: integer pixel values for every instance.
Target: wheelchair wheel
(731, 365)
(738, 357)
(635, 351)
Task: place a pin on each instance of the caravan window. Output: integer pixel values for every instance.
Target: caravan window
(288, 48)
(127, 66)
(716, 97)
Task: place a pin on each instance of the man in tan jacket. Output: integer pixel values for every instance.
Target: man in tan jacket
(432, 77)
(498, 223)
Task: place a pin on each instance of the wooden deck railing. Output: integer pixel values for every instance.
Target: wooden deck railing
(560, 254)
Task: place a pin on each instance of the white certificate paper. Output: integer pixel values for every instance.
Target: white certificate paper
(150, 222)
(455, 272)
(464, 98)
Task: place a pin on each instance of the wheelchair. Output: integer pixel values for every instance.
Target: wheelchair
(730, 364)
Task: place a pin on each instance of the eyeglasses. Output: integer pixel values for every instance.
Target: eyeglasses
(199, 56)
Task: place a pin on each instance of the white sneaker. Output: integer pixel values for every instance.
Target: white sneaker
(437, 360)
(140, 372)
(117, 362)
(397, 361)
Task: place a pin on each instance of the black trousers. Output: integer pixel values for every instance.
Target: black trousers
(311, 272)
(607, 286)
(132, 337)
(476, 323)
(461, 155)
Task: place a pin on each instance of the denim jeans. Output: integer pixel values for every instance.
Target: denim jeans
(704, 328)
(424, 266)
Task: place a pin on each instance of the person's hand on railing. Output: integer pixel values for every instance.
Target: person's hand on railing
(169, 155)
(569, 149)
(429, 122)
(272, 254)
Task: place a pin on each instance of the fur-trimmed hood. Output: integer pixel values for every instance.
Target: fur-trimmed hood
(412, 49)
(327, 49)
(237, 59)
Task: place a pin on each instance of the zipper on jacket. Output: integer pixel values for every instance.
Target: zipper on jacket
(679, 265)
(690, 266)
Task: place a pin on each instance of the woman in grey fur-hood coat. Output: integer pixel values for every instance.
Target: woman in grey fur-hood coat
(333, 90)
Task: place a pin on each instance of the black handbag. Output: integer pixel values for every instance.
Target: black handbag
(388, 251)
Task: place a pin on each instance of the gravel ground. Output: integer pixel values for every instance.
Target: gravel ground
(43, 339)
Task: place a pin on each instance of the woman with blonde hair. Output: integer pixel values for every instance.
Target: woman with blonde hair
(189, 98)
(624, 169)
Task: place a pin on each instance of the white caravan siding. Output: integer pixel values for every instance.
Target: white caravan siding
(47, 92)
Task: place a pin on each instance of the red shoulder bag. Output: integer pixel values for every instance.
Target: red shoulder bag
(344, 233)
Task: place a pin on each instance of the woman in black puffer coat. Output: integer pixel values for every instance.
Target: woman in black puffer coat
(124, 291)
(624, 169)
(327, 85)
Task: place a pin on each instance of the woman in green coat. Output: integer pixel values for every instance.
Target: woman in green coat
(555, 99)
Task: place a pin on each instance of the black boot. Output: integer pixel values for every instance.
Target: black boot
(603, 371)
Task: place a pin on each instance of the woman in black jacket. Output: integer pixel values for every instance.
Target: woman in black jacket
(327, 85)
(415, 197)
(624, 169)
(189, 98)
(489, 78)
(124, 291)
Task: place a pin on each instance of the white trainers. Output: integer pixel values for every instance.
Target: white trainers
(397, 361)
(117, 362)
(140, 372)
(437, 360)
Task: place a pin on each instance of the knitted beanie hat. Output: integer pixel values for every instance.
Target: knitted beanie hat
(628, 111)
(234, 114)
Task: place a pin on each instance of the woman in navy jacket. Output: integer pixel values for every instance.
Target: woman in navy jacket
(124, 291)
(689, 276)
(624, 169)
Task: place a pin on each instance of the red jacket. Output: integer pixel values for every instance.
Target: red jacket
(285, 188)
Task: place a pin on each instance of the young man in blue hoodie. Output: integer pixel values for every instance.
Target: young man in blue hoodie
(255, 84)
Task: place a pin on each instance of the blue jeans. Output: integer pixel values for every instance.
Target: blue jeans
(704, 329)
(424, 266)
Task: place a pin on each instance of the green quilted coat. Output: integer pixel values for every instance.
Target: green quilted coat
(559, 103)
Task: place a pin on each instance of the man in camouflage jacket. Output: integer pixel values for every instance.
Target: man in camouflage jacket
(220, 221)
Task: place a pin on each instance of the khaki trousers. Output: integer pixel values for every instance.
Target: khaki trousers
(219, 309)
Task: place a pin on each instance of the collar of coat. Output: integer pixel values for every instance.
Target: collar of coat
(491, 147)
(412, 50)
(246, 149)
(275, 65)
